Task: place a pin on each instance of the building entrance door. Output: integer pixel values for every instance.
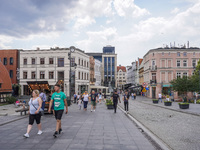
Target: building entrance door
(153, 92)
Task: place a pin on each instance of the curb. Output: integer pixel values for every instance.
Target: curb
(154, 139)
(10, 121)
(189, 113)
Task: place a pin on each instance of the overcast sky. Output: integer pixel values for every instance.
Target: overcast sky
(132, 26)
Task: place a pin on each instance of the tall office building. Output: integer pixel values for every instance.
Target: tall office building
(109, 65)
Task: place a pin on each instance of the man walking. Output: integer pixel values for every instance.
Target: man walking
(115, 97)
(43, 97)
(59, 100)
(93, 100)
(125, 99)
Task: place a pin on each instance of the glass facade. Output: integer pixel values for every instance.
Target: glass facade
(98, 58)
(109, 50)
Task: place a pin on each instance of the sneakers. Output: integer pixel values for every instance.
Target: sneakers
(55, 134)
(26, 135)
(39, 132)
(94, 110)
(91, 110)
(60, 130)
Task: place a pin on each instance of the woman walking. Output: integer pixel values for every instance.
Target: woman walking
(85, 100)
(35, 105)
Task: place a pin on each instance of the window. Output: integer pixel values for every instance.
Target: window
(178, 54)
(11, 60)
(5, 61)
(73, 62)
(184, 63)
(25, 75)
(178, 74)
(0, 59)
(194, 63)
(25, 61)
(153, 54)
(178, 63)
(162, 53)
(79, 61)
(0, 85)
(185, 74)
(51, 73)
(87, 76)
(60, 62)
(87, 64)
(79, 74)
(42, 74)
(193, 53)
(33, 75)
(153, 63)
(169, 54)
(82, 62)
(33, 61)
(42, 61)
(11, 73)
(50, 61)
(82, 76)
(185, 54)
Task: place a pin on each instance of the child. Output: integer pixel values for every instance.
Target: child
(79, 103)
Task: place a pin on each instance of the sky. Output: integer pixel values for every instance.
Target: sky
(132, 26)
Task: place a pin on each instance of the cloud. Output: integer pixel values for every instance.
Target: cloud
(175, 11)
(128, 8)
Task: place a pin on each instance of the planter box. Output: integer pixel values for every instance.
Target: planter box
(184, 106)
(168, 103)
(155, 102)
(110, 107)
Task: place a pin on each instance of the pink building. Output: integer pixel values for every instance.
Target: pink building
(165, 64)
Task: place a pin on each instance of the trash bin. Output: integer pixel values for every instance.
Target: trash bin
(68, 101)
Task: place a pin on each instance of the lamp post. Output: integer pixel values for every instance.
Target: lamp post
(71, 50)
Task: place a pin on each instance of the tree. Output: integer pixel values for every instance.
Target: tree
(195, 79)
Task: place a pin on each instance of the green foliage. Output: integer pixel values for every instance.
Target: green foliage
(167, 101)
(11, 99)
(183, 103)
(154, 99)
(109, 102)
(198, 101)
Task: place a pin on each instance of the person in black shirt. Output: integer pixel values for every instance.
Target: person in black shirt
(115, 97)
(125, 99)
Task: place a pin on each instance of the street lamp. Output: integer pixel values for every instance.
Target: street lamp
(71, 50)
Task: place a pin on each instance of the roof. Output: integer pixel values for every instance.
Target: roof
(122, 68)
(5, 79)
(140, 60)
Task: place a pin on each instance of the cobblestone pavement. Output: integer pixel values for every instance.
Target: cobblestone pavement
(178, 130)
(101, 129)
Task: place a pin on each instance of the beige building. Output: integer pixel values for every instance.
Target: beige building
(121, 76)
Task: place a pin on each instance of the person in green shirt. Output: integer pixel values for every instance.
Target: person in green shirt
(59, 99)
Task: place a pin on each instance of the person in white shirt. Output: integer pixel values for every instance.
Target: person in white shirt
(160, 97)
(85, 100)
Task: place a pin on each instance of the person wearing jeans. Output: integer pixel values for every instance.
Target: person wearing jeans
(115, 97)
(125, 99)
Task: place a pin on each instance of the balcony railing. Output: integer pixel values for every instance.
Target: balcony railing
(153, 68)
(153, 82)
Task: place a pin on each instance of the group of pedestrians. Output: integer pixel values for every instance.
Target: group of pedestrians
(36, 106)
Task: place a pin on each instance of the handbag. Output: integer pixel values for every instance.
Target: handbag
(41, 112)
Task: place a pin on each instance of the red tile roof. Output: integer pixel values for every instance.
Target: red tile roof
(122, 68)
(6, 85)
(140, 60)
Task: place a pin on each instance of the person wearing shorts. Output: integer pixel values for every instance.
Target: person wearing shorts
(93, 99)
(59, 99)
(35, 104)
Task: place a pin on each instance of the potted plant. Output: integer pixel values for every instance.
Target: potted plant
(155, 101)
(109, 104)
(184, 105)
(167, 103)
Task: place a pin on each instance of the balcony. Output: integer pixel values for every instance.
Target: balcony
(92, 79)
(153, 68)
(153, 82)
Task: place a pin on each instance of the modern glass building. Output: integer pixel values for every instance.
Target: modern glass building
(109, 65)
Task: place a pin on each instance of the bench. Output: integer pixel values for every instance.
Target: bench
(22, 110)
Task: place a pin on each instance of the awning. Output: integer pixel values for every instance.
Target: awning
(38, 85)
(166, 85)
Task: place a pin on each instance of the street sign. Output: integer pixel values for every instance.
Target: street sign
(144, 84)
(144, 90)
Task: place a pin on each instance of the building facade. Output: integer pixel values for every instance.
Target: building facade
(5, 83)
(109, 65)
(165, 64)
(10, 59)
(53, 65)
(97, 72)
(121, 77)
(92, 65)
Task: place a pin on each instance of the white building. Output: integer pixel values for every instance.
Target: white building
(97, 72)
(121, 76)
(52, 65)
